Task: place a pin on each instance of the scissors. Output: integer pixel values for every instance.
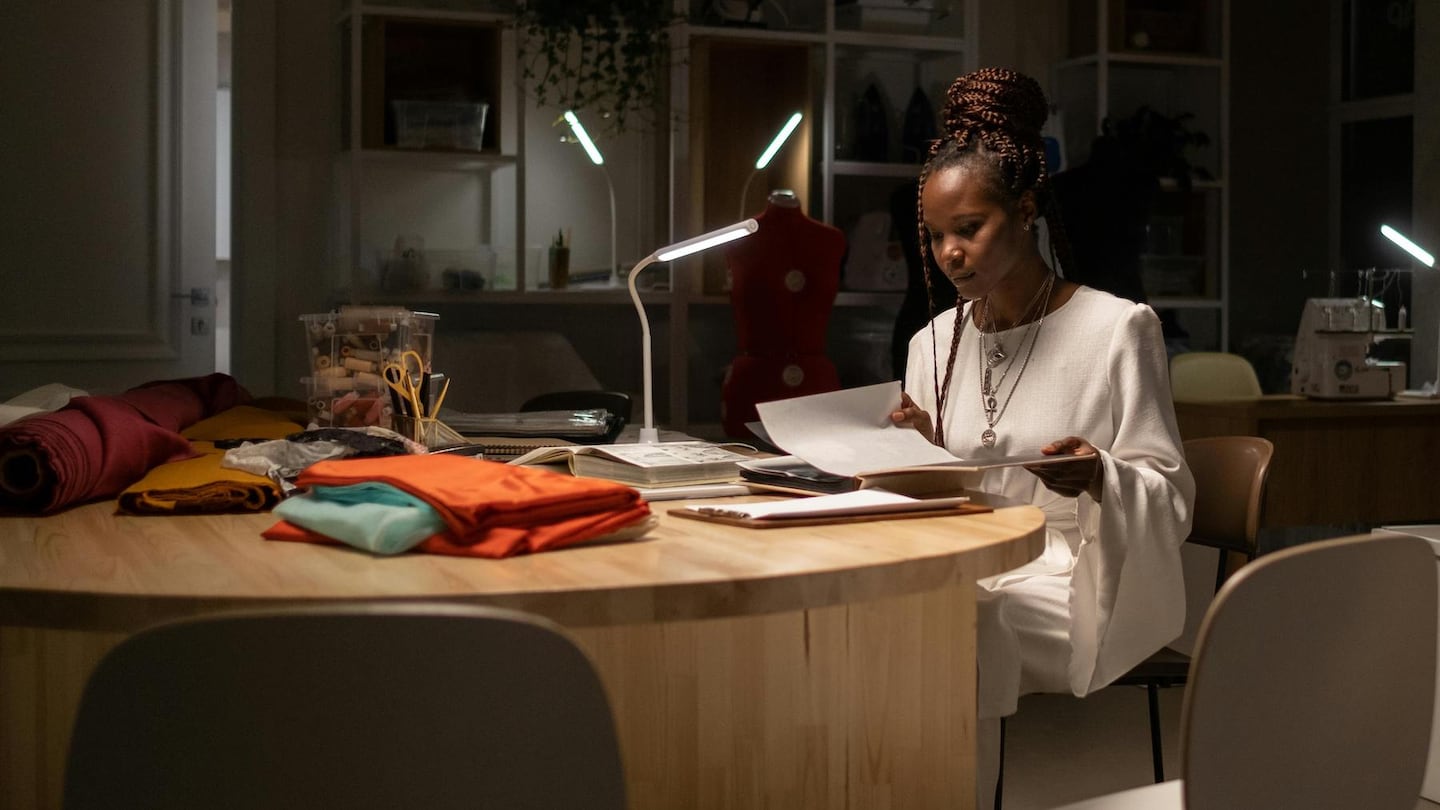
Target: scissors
(406, 379)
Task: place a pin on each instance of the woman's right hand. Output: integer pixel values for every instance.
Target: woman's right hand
(911, 415)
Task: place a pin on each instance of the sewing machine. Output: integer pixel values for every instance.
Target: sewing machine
(1332, 352)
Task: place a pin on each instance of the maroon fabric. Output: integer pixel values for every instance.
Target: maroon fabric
(95, 447)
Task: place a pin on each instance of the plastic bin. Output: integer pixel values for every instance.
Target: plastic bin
(348, 350)
(440, 124)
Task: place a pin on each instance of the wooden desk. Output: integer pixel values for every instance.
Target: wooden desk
(1335, 463)
(826, 667)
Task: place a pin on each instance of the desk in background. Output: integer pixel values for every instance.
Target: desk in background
(1336, 463)
(821, 667)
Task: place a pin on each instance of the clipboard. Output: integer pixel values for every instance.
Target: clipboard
(970, 508)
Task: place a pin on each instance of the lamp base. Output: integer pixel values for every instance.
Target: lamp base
(649, 435)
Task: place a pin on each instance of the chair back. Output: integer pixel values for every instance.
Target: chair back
(1212, 376)
(1230, 474)
(1314, 679)
(373, 706)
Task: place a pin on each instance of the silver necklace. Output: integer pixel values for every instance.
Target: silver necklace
(995, 350)
(989, 396)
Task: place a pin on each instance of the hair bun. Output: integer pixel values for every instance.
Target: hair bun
(995, 99)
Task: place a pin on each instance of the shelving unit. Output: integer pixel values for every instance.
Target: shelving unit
(841, 50)
(826, 56)
(1174, 58)
(464, 201)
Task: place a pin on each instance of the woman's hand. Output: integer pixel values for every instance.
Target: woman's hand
(1070, 478)
(911, 415)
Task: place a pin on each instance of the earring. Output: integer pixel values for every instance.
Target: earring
(1027, 226)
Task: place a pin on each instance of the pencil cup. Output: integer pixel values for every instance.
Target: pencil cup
(559, 267)
(424, 430)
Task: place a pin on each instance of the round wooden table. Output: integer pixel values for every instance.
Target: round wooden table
(826, 666)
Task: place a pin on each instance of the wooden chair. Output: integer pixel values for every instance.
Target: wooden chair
(368, 706)
(1230, 474)
(1212, 376)
(1312, 685)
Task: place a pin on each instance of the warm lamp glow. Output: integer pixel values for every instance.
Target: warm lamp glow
(584, 137)
(599, 160)
(1409, 247)
(769, 154)
(649, 434)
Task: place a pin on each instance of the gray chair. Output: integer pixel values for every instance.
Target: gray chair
(1230, 474)
(1312, 685)
(367, 706)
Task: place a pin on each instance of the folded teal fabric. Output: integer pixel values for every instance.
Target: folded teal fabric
(376, 517)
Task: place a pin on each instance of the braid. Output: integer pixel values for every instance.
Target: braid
(992, 120)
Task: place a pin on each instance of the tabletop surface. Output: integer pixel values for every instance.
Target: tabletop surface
(89, 568)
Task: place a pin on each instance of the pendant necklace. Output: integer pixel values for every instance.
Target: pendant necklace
(989, 359)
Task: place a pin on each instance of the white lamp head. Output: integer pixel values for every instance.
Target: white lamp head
(779, 141)
(649, 434)
(1409, 247)
(584, 138)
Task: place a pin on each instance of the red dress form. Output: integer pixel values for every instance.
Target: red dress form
(783, 284)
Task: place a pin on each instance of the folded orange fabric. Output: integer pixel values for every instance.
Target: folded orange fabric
(200, 485)
(489, 509)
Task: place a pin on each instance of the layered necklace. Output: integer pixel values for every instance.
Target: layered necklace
(993, 354)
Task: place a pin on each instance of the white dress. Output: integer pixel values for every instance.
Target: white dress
(1108, 589)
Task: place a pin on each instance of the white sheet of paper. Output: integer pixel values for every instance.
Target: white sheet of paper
(849, 431)
(861, 502)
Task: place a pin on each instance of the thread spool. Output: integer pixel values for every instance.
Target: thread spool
(366, 354)
(373, 344)
(328, 329)
(377, 410)
(355, 364)
(332, 372)
(369, 379)
(322, 362)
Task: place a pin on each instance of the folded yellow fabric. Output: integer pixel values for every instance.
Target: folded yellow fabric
(200, 486)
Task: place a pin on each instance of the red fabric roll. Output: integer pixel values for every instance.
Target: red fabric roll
(95, 447)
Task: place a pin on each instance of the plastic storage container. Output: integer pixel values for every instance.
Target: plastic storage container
(348, 351)
(440, 124)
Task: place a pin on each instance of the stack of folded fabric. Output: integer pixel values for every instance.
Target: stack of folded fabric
(444, 504)
(201, 485)
(94, 447)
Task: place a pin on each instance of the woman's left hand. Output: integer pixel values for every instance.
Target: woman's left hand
(1070, 478)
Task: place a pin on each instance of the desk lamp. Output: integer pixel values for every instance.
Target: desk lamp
(599, 160)
(769, 154)
(1424, 257)
(649, 434)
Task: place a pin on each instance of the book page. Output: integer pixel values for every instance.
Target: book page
(665, 454)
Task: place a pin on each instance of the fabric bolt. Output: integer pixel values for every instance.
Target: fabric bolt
(488, 509)
(1107, 591)
(96, 446)
(378, 518)
(203, 485)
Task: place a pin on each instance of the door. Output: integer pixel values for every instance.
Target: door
(107, 192)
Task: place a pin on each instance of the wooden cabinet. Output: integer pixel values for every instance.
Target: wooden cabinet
(1171, 58)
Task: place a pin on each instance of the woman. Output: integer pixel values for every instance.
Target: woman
(1030, 361)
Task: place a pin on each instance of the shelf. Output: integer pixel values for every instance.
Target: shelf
(436, 159)
(755, 34)
(899, 42)
(1160, 302)
(859, 168)
(1178, 60)
(456, 15)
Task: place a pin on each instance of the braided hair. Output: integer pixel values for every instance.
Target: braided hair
(992, 120)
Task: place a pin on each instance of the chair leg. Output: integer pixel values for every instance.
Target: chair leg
(1000, 777)
(1157, 756)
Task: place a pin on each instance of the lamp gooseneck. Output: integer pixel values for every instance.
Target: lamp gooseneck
(649, 434)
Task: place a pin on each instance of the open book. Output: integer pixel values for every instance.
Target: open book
(844, 440)
(644, 465)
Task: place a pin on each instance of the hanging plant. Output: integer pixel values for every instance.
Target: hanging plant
(605, 56)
